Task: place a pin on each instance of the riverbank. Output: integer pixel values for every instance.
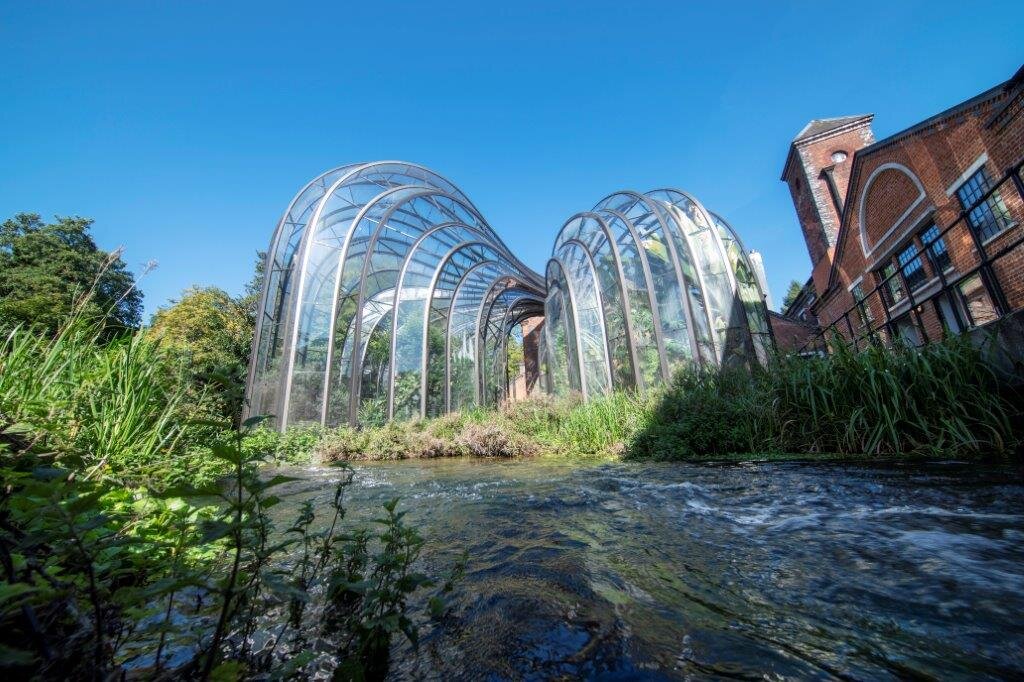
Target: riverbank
(940, 402)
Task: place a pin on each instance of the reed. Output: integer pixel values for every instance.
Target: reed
(120, 407)
(940, 401)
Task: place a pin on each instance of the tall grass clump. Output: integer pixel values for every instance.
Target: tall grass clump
(941, 400)
(117, 406)
(572, 427)
(540, 426)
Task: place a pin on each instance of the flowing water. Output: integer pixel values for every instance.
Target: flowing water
(751, 571)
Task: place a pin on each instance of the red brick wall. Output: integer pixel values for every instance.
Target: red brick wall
(790, 334)
(937, 156)
(891, 194)
(531, 345)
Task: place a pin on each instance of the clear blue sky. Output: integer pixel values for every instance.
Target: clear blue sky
(184, 129)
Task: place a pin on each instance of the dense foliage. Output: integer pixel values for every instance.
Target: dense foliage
(45, 268)
(211, 332)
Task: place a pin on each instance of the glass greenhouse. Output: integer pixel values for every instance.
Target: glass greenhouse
(387, 296)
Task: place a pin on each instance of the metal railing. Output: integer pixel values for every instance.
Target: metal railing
(857, 324)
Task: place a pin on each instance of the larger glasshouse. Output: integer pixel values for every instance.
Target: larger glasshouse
(388, 296)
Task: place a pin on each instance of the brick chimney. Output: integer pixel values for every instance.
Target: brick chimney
(818, 174)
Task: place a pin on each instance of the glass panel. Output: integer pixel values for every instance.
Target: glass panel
(281, 271)
(931, 240)
(672, 273)
(592, 232)
(563, 364)
(639, 297)
(589, 316)
(695, 236)
(863, 309)
(908, 331)
(910, 264)
(893, 284)
(415, 288)
(977, 301)
(748, 290)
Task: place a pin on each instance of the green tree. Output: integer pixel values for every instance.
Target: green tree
(213, 331)
(250, 298)
(46, 268)
(791, 293)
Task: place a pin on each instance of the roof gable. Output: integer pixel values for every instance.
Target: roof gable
(819, 126)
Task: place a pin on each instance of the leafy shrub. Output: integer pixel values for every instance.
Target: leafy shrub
(294, 446)
(94, 571)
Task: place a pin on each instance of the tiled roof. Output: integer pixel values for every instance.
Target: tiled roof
(823, 125)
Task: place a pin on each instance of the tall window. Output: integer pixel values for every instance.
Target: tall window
(909, 261)
(893, 285)
(936, 246)
(990, 217)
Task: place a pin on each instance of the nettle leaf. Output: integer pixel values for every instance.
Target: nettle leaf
(228, 671)
(358, 587)
(18, 429)
(226, 452)
(284, 588)
(211, 423)
(410, 630)
(278, 480)
(14, 592)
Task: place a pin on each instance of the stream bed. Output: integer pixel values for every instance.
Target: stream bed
(681, 571)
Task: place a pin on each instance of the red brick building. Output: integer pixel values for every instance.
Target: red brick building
(919, 234)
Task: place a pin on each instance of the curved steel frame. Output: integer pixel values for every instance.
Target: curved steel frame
(359, 241)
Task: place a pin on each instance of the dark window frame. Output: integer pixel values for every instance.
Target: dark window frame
(990, 218)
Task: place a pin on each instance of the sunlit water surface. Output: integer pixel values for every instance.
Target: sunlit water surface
(622, 571)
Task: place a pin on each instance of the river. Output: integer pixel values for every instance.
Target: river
(750, 571)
